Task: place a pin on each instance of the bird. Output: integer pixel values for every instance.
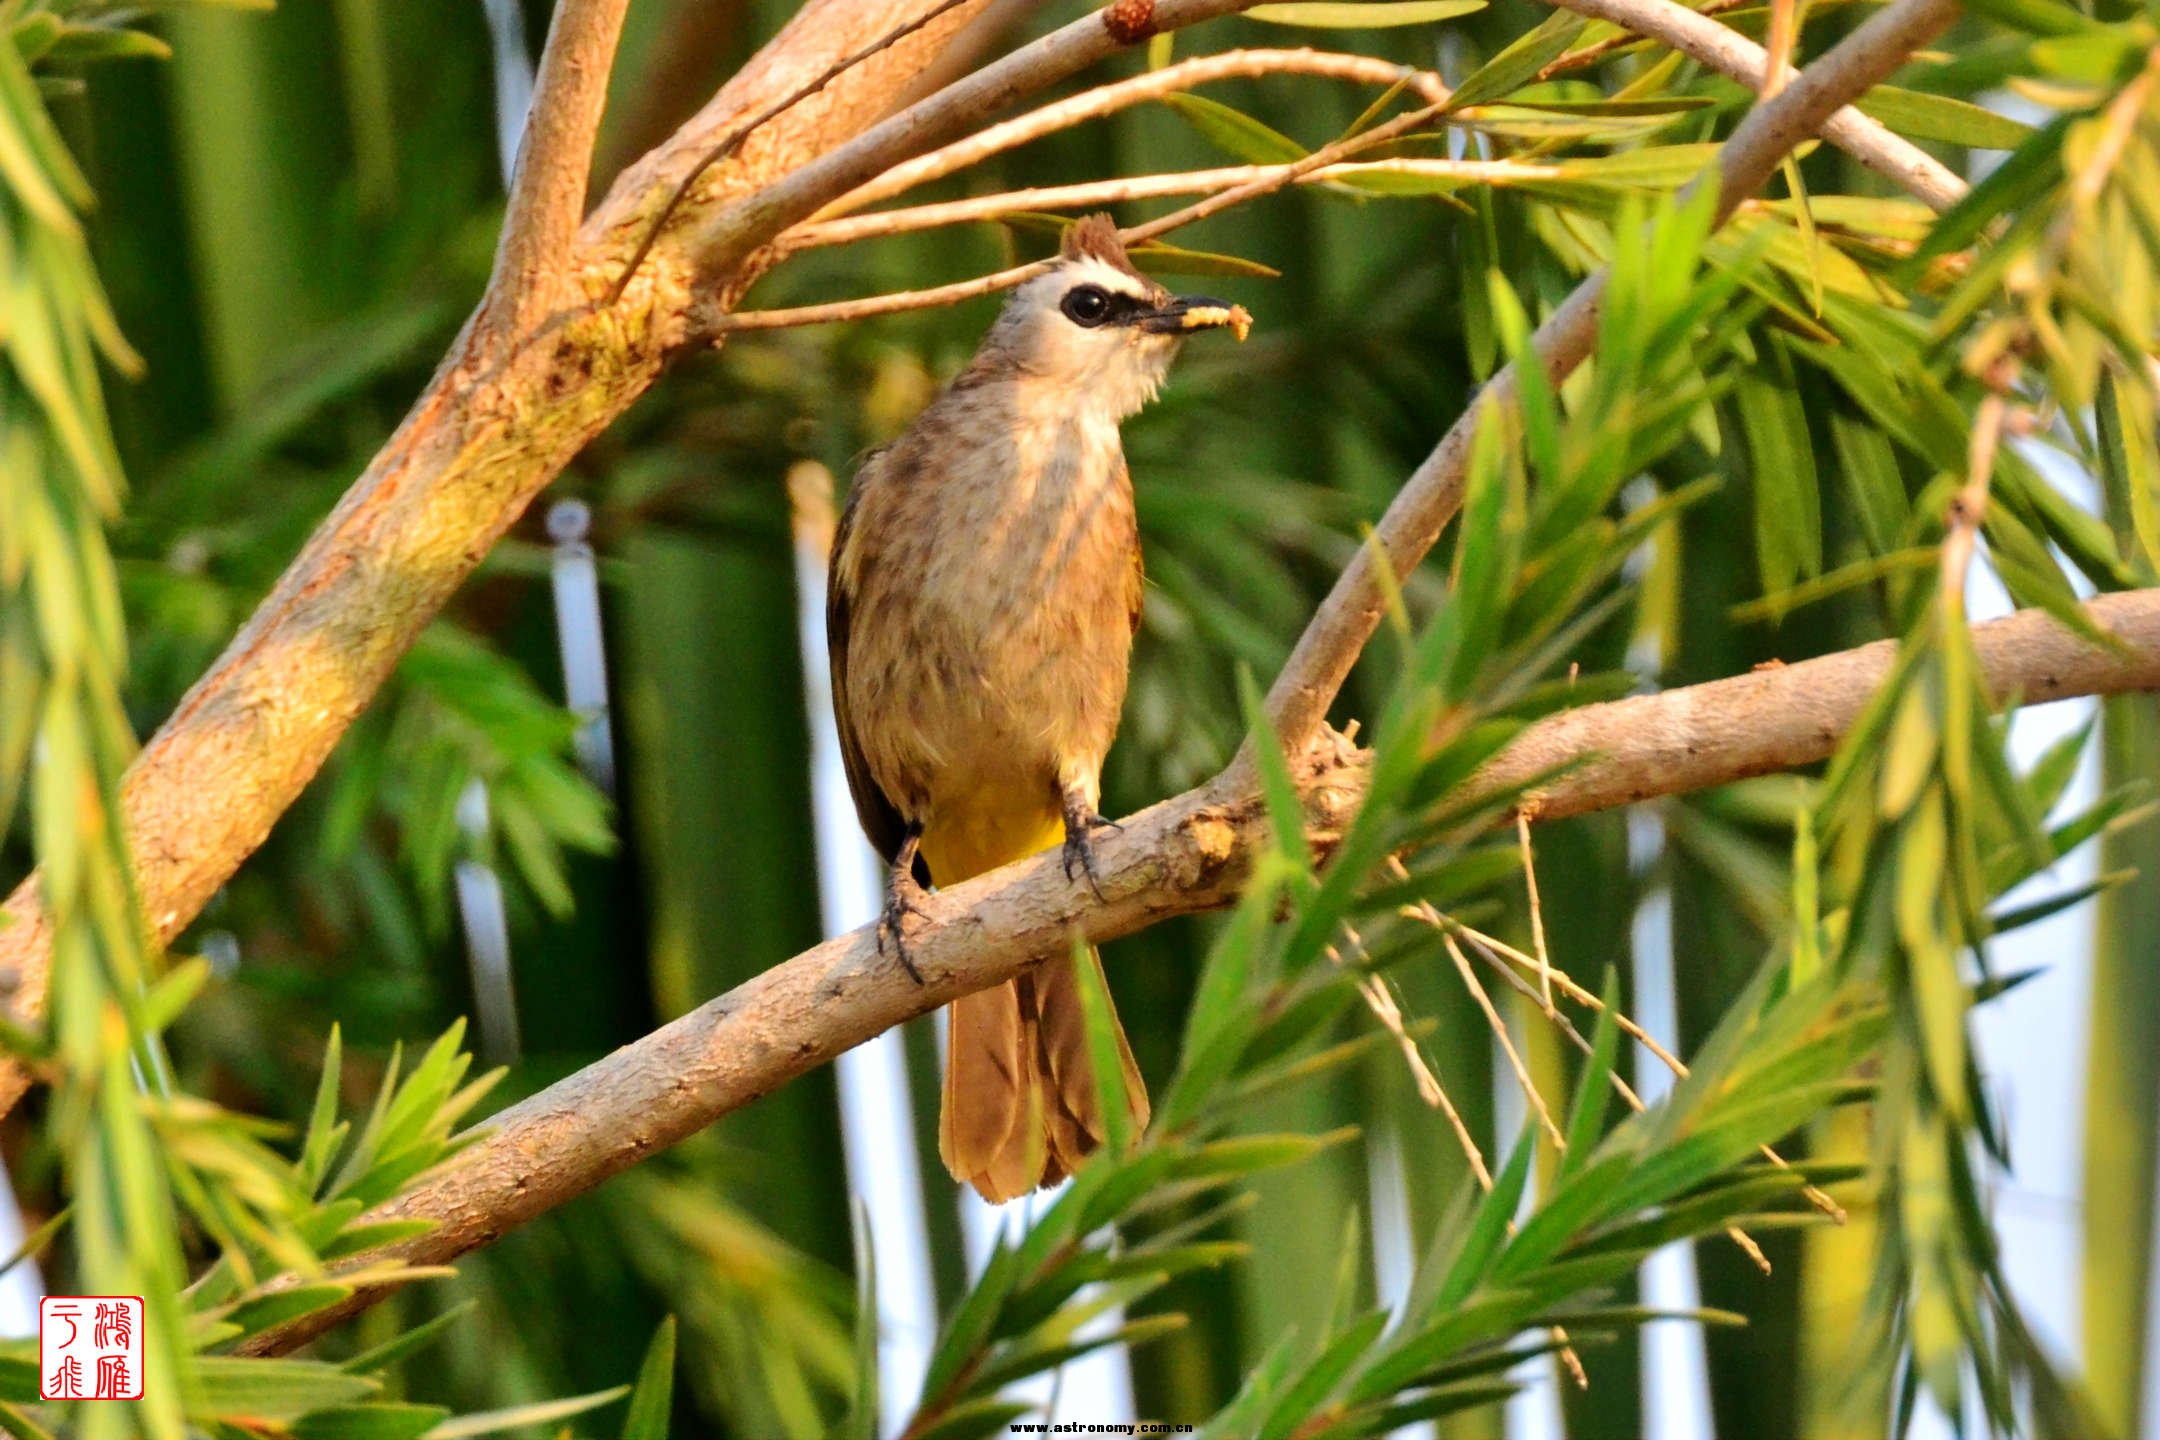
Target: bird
(984, 590)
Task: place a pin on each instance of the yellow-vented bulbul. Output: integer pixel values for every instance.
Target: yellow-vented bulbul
(985, 587)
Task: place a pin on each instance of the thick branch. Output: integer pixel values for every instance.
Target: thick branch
(499, 421)
(1337, 634)
(1185, 854)
(1727, 51)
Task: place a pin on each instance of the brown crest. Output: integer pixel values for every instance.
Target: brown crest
(1095, 237)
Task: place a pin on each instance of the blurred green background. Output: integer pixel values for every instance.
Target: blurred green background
(293, 216)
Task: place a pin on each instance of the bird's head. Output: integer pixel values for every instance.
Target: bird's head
(1096, 327)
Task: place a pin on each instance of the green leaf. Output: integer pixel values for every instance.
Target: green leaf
(79, 44)
(653, 1397)
(2017, 918)
(1869, 468)
(977, 1419)
(1106, 1049)
(369, 1422)
(1521, 61)
(356, 1239)
(381, 1357)
(171, 994)
(1781, 469)
(971, 1324)
(1582, 1201)
(1593, 1087)
(1236, 132)
(1363, 14)
(19, 1425)
(276, 1389)
(1942, 119)
(2038, 17)
(18, 1379)
(2130, 467)
(1488, 1227)
(1242, 1416)
(275, 1309)
(519, 1417)
(2030, 170)
(1018, 1364)
(1908, 755)
(38, 1239)
(1161, 258)
(1321, 1378)
(1433, 1405)
(1738, 1132)
(1243, 1155)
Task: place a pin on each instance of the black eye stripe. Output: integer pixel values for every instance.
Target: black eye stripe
(1089, 306)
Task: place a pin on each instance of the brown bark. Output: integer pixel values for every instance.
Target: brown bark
(551, 355)
(1186, 854)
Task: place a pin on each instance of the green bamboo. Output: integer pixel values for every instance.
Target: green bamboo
(2122, 1085)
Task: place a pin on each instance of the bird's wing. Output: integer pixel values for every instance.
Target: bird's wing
(881, 819)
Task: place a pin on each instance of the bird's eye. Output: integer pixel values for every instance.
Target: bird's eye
(1086, 305)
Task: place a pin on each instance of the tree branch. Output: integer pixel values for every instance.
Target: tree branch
(547, 191)
(727, 235)
(1186, 854)
(1089, 194)
(502, 417)
(1696, 35)
(1119, 95)
(1264, 179)
(1337, 633)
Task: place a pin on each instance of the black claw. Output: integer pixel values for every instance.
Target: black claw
(889, 929)
(1081, 822)
(902, 898)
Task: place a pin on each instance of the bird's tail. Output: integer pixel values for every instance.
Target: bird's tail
(1021, 1109)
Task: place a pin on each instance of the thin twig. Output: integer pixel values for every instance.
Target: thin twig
(1270, 179)
(1382, 1001)
(1092, 194)
(1332, 642)
(1778, 47)
(734, 231)
(1122, 94)
(1695, 34)
(1968, 506)
(547, 188)
(733, 140)
(1537, 910)
(1591, 54)
(2117, 126)
(1569, 986)
(1495, 948)
(1507, 1042)
(1619, 1084)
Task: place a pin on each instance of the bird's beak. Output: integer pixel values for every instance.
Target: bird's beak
(1195, 312)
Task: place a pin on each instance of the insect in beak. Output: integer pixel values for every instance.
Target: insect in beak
(1195, 312)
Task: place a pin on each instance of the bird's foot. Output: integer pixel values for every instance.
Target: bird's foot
(1081, 823)
(900, 902)
(903, 897)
